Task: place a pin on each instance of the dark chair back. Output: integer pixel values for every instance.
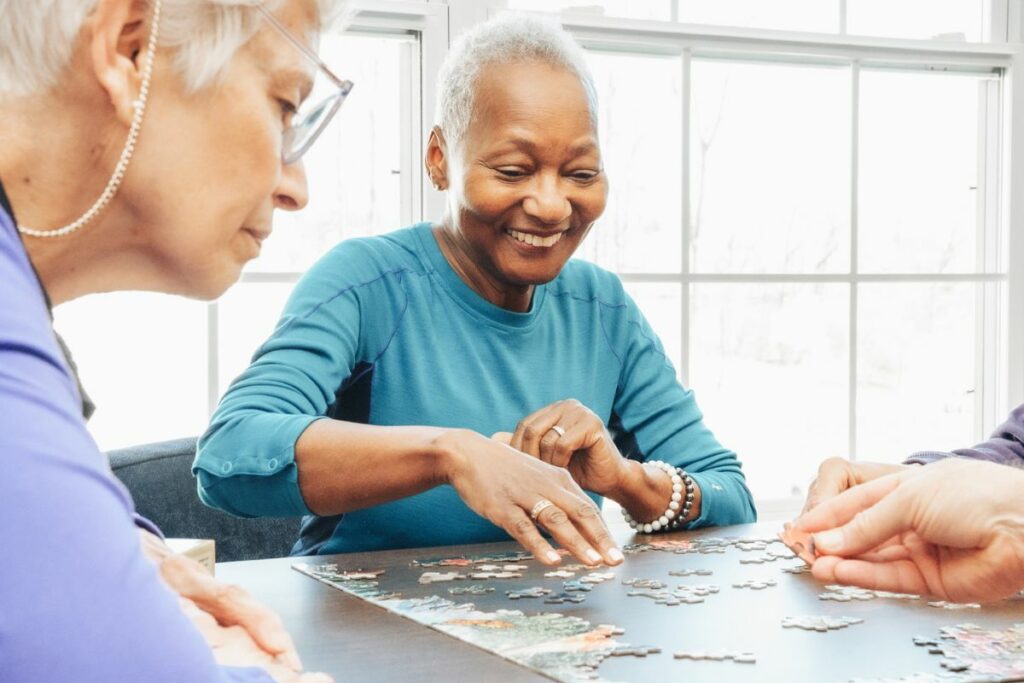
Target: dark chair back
(159, 477)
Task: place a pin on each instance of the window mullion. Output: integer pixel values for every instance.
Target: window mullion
(854, 246)
(684, 292)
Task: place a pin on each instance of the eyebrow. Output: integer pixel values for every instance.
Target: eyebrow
(577, 149)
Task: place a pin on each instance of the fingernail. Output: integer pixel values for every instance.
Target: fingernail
(593, 556)
(616, 555)
(828, 540)
(553, 557)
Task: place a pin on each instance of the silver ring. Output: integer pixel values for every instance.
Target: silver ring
(559, 429)
(541, 505)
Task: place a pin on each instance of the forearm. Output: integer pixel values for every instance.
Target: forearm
(645, 493)
(345, 466)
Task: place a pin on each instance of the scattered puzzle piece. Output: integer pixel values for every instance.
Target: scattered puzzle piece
(535, 592)
(690, 572)
(717, 656)
(560, 574)
(755, 585)
(563, 597)
(475, 589)
(820, 624)
(439, 577)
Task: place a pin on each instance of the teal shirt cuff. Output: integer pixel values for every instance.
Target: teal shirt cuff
(725, 500)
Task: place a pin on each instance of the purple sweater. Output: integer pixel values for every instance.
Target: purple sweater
(1005, 446)
(78, 600)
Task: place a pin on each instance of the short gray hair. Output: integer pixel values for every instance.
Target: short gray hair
(508, 38)
(37, 37)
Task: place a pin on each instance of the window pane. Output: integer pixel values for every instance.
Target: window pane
(142, 359)
(662, 305)
(769, 367)
(770, 148)
(354, 169)
(641, 139)
(945, 19)
(247, 314)
(648, 9)
(918, 172)
(915, 368)
(793, 15)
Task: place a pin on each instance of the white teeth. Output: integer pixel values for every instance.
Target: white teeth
(536, 240)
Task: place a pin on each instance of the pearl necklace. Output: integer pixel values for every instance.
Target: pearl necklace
(129, 146)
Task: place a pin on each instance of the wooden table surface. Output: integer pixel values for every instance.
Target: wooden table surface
(355, 640)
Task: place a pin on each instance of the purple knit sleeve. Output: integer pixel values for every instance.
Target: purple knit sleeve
(1005, 446)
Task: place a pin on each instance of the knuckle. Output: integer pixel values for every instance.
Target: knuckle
(522, 526)
(557, 517)
(586, 510)
(831, 463)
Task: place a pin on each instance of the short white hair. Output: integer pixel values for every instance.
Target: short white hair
(507, 38)
(38, 36)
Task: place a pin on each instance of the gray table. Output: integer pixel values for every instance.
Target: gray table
(355, 640)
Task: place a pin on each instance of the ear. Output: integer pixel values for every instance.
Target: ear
(119, 30)
(436, 159)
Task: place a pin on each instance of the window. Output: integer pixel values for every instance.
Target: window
(834, 288)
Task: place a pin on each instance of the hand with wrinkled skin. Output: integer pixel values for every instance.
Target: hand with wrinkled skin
(503, 484)
(225, 604)
(836, 475)
(953, 529)
(587, 451)
(234, 646)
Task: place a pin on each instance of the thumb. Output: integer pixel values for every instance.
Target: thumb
(502, 437)
(879, 520)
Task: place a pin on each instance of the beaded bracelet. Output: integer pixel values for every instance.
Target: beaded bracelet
(673, 517)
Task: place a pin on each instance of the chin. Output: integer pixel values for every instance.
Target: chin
(210, 285)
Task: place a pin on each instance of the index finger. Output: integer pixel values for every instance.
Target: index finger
(841, 509)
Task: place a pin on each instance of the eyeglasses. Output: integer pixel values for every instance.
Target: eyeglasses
(310, 121)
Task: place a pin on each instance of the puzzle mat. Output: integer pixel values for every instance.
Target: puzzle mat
(658, 616)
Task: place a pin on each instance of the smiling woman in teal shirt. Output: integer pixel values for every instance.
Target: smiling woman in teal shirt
(370, 409)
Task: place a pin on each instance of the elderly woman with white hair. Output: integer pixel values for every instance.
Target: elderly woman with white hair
(475, 375)
(144, 145)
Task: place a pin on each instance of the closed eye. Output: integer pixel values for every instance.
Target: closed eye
(512, 173)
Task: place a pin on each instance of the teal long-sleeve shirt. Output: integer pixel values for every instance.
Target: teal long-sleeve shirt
(382, 331)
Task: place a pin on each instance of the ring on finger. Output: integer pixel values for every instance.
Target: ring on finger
(559, 429)
(539, 507)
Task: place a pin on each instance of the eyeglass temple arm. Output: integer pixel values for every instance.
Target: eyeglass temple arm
(301, 47)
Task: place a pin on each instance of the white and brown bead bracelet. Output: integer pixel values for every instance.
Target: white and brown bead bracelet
(673, 517)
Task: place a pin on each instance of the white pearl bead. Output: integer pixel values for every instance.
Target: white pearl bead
(674, 505)
(656, 525)
(677, 488)
(648, 528)
(663, 520)
(669, 514)
(676, 497)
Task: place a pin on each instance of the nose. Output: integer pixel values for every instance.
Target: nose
(292, 192)
(548, 203)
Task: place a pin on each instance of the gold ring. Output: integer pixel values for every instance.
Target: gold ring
(541, 505)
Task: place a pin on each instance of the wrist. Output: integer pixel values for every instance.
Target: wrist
(447, 449)
(679, 496)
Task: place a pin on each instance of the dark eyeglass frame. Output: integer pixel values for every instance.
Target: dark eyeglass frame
(301, 134)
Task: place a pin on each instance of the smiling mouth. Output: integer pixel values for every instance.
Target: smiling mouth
(535, 240)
